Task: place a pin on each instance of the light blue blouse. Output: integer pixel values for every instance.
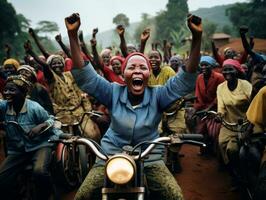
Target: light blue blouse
(129, 125)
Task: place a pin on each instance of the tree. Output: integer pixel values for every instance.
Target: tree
(121, 19)
(9, 28)
(251, 14)
(146, 22)
(209, 30)
(171, 20)
(47, 27)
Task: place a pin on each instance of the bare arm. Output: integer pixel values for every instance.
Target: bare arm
(58, 38)
(46, 69)
(40, 46)
(83, 45)
(194, 57)
(123, 45)
(216, 55)
(72, 24)
(143, 39)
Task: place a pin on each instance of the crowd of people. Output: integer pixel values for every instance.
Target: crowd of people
(137, 93)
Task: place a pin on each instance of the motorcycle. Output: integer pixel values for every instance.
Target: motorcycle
(124, 172)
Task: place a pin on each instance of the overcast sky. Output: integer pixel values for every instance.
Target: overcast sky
(98, 13)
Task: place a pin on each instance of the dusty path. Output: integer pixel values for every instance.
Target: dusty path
(200, 178)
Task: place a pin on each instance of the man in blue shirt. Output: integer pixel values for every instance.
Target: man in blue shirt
(27, 142)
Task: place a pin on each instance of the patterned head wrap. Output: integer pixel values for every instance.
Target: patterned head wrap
(51, 57)
(19, 81)
(29, 69)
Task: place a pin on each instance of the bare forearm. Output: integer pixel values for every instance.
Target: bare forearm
(194, 56)
(65, 49)
(123, 46)
(77, 59)
(40, 46)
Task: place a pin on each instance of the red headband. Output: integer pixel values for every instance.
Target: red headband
(235, 64)
(121, 59)
(131, 55)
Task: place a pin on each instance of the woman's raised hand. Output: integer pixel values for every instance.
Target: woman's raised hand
(194, 24)
(72, 22)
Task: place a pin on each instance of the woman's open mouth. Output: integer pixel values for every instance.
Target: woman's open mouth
(137, 83)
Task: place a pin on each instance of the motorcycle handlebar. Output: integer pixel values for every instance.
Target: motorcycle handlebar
(185, 138)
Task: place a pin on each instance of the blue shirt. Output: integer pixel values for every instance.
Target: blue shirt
(31, 115)
(129, 125)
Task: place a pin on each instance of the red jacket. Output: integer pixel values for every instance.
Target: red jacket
(206, 96)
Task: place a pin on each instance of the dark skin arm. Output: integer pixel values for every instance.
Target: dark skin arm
(194, 57)
(58, 38)
(40, 46)
(243, 30)
(46, 69)
(143, 39)
(123, 45)
(84, 48)
(72, 24)
(96, 57)
(166, 55)
(216, 55)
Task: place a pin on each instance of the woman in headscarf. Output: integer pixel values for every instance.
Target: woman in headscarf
(206, 87)
(37, 92)
(69, 102)
(233, 97)
(138, 105)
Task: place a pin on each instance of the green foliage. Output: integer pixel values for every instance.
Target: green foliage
(47, 27)
(14, 31)
(171, 20)
(209, 30)
(251, 14)
(121, 19)
(146, 22)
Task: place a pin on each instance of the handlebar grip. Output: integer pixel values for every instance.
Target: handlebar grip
(197, 137)
(65, 136)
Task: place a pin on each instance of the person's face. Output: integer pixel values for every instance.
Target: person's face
(230, 53)
(10, 70)
(136, 74)
(155, 60)
(229, 72)
(174, 64)
(106, 58)
(205, 68)
(131, 49)
(26, 74)
(12, 93)
(57, 66)
(116, 66)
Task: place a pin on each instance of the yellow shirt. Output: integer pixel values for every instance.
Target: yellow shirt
(256, 113)
(166, 73)
(234, 104)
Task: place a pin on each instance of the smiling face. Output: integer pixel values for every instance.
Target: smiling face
(155, 60)
(205, 68)
(136, 74)
(12, 93)
(116, 66)
(229, 73)
(57, 66)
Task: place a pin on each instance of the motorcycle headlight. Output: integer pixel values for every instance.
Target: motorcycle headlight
(120, 169)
